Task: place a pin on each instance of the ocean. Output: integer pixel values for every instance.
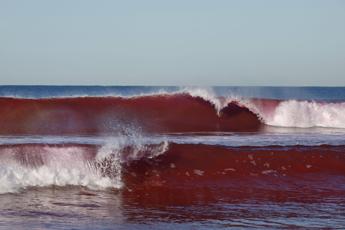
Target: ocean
(170, 157)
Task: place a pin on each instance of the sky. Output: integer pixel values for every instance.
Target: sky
(180, 42)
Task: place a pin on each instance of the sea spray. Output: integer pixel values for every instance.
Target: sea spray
(94, 167)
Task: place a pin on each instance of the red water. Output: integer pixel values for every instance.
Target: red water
(205, 186)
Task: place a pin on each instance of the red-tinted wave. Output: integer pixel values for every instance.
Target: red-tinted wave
(93, 115)
(190, 164)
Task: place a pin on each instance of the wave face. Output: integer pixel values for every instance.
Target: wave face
(95, 115)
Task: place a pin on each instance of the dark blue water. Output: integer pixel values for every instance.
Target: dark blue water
(283, 93)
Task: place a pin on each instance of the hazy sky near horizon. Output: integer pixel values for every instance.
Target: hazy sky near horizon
(180, 42)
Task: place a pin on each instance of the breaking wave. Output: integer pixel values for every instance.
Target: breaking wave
(91, 166)
(192, 110)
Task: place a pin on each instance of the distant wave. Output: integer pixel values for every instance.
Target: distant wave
(191, 110)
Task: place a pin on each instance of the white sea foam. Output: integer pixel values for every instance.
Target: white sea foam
(306, 114)
(50, 166)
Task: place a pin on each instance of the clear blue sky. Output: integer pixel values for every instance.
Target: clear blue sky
(195, 42)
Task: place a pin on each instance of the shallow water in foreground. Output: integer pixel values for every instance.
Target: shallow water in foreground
(178, 208)
(205, 181)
